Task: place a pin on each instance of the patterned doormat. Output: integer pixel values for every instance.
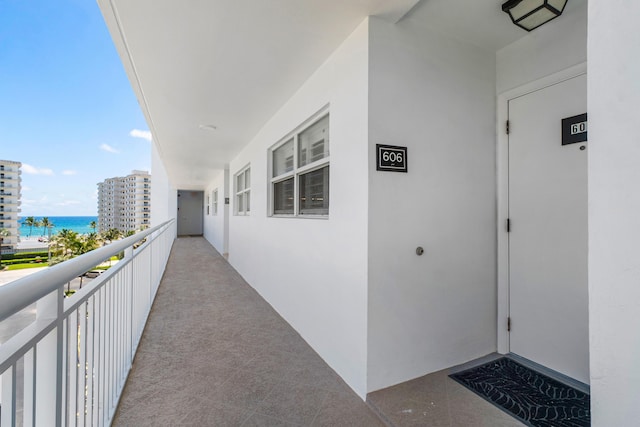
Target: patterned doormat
(533, 398)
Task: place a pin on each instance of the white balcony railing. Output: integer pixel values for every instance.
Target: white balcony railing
(69, 367)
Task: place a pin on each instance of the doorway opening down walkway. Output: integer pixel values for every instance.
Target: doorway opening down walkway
(215, 353)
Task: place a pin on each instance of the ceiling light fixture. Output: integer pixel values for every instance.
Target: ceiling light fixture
(208, 127)
(530, 14)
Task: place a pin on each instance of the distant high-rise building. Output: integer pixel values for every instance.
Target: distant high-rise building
(9, 202)
(125, 202)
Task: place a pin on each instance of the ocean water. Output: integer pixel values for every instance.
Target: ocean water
(79, 224)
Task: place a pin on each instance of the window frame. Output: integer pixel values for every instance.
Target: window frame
(214, 202)
(244, 193)
(297, 170)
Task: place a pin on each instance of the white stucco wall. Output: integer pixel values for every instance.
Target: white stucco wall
(314, 271)
(164, 198)
(558, 45)
(614, 211)
(435, 96)
(214, 224)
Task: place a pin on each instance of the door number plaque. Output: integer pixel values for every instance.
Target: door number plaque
(574, 129)
(391, 158)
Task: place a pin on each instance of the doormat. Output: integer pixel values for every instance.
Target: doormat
(533, 398)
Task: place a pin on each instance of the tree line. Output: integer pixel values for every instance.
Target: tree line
(45, 223)
(67, 244)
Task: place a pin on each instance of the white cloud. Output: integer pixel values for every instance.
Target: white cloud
(68, 203)
(42, 201)
(32, 170)
(69, 172)
(25, 188)
(108, 149)
(143, 134)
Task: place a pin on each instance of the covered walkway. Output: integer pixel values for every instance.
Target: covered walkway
(215, 353)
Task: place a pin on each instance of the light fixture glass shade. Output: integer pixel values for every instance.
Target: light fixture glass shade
(522, 8)
(530, 14)
(557, 4)
(536, 19)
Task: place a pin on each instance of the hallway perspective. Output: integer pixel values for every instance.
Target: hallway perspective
(215, 353)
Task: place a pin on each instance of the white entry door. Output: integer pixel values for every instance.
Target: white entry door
(548, 231)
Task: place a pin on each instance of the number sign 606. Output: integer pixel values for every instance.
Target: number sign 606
(392, 156)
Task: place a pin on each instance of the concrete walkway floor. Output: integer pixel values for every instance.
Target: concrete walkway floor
(214, 353)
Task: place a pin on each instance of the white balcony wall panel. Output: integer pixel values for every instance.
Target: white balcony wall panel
(214, 229)
(614, 208)
(560, 45)
(164, 198)
(435, 96)
(314, 271)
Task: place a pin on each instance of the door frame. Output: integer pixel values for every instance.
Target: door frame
(502, 190)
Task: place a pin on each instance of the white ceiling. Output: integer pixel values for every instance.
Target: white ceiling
(479, 22)
(233, 63)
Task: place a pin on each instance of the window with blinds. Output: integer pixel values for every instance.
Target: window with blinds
(299, 166)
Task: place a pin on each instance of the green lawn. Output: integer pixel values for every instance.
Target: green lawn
(31, 264)
(23, 266)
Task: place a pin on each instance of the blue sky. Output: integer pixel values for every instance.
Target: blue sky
(67, 110)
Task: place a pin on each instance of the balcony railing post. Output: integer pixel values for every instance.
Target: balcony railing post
(7, 389)
(128, 254)
(48, 396)
(152, 277)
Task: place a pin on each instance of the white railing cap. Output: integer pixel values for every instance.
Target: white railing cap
(16, 295)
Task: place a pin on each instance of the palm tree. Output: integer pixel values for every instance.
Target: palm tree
(90, 242)
(29, 222)
(68, 243)
(67, 240)
(112, 234)
(86, 243)
(45, 224)
(93, 225)
(3, 233)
